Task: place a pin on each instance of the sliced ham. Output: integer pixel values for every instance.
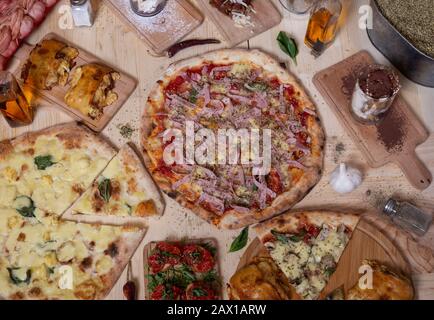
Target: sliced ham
(296, 164)
(205, 94)
(217, 205)
(179, 101)
(5, 38)
(26, 27)
(240, 209)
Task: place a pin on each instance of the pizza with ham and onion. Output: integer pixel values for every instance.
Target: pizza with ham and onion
(234, 89)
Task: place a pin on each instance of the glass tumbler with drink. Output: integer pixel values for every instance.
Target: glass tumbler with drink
(13, 103)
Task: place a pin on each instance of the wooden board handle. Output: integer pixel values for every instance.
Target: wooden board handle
(415, 170)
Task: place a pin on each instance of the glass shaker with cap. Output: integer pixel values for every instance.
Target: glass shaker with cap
(408, 216)
(83, 13)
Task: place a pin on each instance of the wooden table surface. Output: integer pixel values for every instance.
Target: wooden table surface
(113, 42)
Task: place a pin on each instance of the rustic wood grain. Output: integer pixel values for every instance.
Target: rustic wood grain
(114, 42)
(159, 32)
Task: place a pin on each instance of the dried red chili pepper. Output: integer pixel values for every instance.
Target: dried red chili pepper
(173, 50)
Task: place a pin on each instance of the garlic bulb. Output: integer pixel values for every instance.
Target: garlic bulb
(345, 179)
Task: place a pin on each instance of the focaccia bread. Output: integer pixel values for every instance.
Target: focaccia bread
(92, 89)
(261, 279)
(49, 64)
(124, 188)
(387, 284)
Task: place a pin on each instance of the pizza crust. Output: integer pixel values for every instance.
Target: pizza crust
(233, 219)
(290, 221)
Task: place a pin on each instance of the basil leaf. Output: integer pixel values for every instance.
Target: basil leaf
(16, 280)
(256, 86)
(27, 209)
(288, 45)
(193, 96)
(43, 162)
(199, 292)
(210, 248)
(240, 241)
(105, 189)
(280, 236)
(210, 276)
(329, 271)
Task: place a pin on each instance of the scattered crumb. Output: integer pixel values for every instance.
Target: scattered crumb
(125, 130)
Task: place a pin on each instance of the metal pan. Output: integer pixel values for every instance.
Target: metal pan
(412, 62)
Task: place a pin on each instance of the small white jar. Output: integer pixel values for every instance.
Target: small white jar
(83, 13)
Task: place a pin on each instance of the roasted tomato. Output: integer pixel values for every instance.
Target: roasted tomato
(165, 254)
(198, 258)
(167, 292)
(274, 182)
(174, 85)
(200, 291)
(311, 232)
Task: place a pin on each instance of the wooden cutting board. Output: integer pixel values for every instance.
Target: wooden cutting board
(124, 87)
(367, 242)
(266, 17)
(151, 246)
(161, 31)
(393, 140)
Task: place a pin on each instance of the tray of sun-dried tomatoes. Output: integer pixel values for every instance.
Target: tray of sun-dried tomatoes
(182, 270)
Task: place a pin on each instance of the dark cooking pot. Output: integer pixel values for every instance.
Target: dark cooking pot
(413, 63)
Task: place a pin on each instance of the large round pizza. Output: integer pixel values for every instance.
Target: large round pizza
(232, 91)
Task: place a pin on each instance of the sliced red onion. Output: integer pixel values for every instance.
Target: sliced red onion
(180, 182)
(216, 203)
(296, 164)
(310, 111)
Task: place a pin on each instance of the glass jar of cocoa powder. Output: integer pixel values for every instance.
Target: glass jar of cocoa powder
(374, 93)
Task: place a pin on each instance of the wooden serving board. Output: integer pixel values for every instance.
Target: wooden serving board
(266, 17)
(336, 84)
(124, 87)
(151, 246)
(367, 242)
(161, 31)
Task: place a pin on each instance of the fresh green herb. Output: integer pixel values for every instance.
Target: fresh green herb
(50, 270)
(16, 280)
(196, 255)
(288, 45)
(298, 237)
(125, 130)
(25, 206)
(130, 209)
(210, 276)
(279, 236)
(240, 241)
(193, 95)
(199, 292)
(43, 162)
(256, 86)
(180, 276)
(329, 271)
(105, 190)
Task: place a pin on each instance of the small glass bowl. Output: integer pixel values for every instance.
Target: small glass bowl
(134, 6)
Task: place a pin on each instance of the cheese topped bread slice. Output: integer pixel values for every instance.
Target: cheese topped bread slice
(307, 246)
(123, 189)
